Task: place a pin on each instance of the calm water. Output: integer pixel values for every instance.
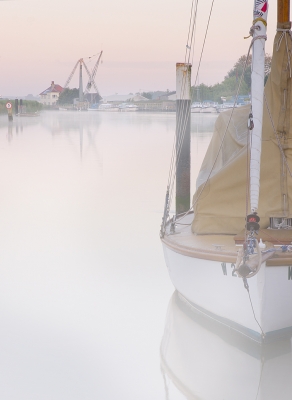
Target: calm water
(86, 305)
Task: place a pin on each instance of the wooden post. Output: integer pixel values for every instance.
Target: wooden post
(16, 106)
(9, 111)
(10, 116)
(80, 82)
(283, 11)
(183, 137)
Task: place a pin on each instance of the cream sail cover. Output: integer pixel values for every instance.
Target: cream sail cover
(221, 207)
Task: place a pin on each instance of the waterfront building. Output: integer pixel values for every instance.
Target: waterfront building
(50, 96)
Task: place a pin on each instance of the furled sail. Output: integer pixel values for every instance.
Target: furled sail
(220, 201)
(258, 32)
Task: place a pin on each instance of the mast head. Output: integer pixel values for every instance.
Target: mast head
(260, 10)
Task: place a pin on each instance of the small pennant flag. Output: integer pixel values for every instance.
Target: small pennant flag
(265, 7)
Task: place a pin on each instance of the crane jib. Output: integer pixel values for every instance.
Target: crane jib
(91, 75)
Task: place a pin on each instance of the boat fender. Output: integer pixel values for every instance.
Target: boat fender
(250, 124)
(261, 244)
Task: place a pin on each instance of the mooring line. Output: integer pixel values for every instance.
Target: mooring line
(247, 288)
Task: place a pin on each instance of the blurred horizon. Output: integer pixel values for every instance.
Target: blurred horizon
(141, 42)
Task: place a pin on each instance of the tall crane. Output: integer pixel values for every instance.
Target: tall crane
(91, 81)
(91, 76)
(72, 73)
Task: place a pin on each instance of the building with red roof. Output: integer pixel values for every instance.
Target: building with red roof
(50, 96)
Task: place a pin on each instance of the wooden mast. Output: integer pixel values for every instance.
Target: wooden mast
(283, 11)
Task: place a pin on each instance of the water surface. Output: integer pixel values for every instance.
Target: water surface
(84, 289)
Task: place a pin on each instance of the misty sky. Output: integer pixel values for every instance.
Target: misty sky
(141, 39)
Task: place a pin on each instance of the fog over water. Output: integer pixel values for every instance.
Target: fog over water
(87, 308)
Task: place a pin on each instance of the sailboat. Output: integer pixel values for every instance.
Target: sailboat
(229, 252)
(196, 107)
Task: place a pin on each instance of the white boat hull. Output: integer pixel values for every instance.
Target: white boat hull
(196, 109)
(196, 351)
(107, 109)
(223, 297)
(114, 109)
(129, 109)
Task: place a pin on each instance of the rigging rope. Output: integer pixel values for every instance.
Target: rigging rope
(229, 121)
(182, 123)
(200, 311)
(203, 47)
(193, 31)
(193, 16)
(261, 376)
(247, 288)
(235, 101)
(165, 385)
(277, 137)
(284, 35)
(182, 120)
(194, 36)
(223, 137)
(177, 149)
(190, 45)
(247, 189)
(178, 141)
(190, 23)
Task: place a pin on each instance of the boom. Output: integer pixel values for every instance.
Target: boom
(91, 81)
(96, 65)
(72, 73)
(91, 75)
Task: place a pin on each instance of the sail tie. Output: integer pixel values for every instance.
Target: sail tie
(258, 37)
(284, 35)
(277, 137)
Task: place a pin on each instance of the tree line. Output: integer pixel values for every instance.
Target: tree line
(228, 87)
(68, 95)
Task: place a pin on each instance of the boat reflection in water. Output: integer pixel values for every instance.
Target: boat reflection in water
(205, 360)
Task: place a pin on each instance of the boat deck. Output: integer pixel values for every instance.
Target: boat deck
(223, 248)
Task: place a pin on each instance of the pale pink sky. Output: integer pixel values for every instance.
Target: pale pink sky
(141, 39)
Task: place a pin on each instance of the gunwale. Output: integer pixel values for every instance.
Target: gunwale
(222, 248)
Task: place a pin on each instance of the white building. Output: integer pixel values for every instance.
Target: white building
(51, 95)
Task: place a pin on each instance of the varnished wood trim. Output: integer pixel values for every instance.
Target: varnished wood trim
(279, 262)
(221, 257)
(201, 254)
(283, 11)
